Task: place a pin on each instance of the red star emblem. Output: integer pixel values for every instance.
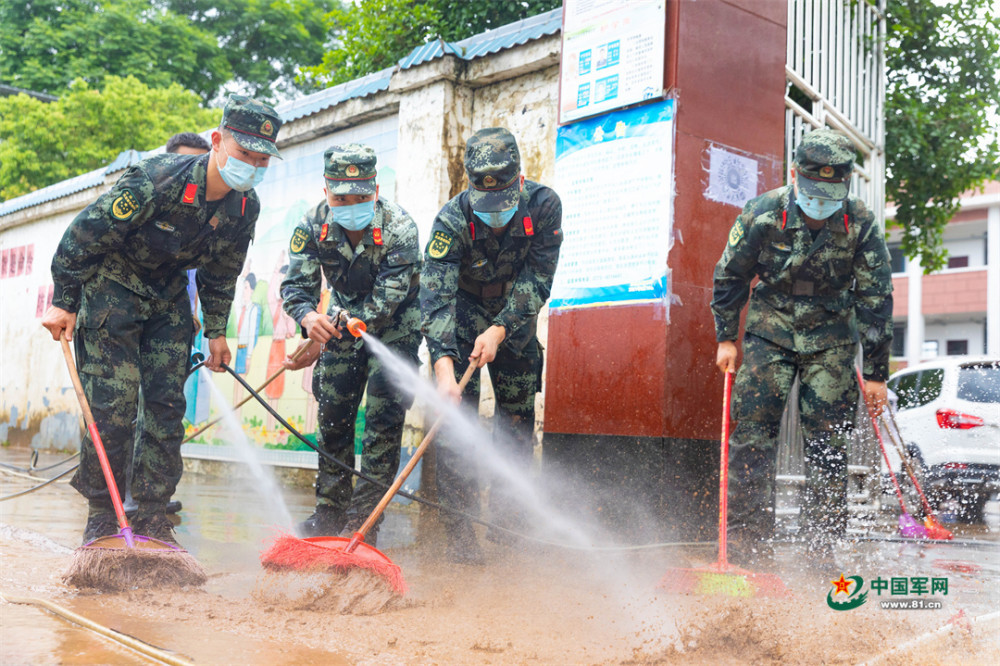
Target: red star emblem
(842, 585)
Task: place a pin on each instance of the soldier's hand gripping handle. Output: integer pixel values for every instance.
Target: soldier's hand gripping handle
(725, 357)
(321, 327)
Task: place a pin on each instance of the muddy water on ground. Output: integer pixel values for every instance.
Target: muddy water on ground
(528, 605)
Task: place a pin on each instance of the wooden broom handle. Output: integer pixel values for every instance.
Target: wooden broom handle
(414, 459)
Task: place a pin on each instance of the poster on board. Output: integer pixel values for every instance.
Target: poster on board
(614, 174)
(612, 55)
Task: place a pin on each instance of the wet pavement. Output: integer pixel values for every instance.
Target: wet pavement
(530, 604)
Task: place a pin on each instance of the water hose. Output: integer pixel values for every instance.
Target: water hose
(125, 640)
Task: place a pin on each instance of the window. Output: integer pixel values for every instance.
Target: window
(958, 347)
(958, 262)
(896, 258)
(930, 386)
(930, 349)
(905, 387)
(898, 340)
(979, 383)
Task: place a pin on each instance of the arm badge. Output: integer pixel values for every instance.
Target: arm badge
(440, 243)
(125, 206)
(299, 239)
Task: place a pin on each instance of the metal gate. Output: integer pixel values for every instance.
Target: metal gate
(835, 68)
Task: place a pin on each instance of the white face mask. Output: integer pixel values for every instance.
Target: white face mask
(817, 209)
(239, 175)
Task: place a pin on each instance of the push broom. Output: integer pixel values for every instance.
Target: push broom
(722, 577)
(341, 554)
(934, 529)
(125, 560)
(909, 528)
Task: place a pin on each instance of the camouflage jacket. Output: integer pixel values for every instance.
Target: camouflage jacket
(377, 281)
(473, 279)
(812, 294)
(150, 228)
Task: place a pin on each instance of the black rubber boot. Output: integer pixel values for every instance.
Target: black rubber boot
(325, 521)
(100, 525)
(155, 526)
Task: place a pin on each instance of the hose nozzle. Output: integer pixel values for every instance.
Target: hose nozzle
(356, 327)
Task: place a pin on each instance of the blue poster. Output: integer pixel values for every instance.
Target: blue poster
(614, 174)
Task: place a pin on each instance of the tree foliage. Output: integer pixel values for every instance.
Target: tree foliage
(203, 45)
(375, 34)
(943, 62)
(44, 143)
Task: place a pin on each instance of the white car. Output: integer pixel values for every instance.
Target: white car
(948, 413)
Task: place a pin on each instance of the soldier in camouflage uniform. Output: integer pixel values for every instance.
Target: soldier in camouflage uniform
(121, 283)
(367, 247)
(487, 272)
(824, 282)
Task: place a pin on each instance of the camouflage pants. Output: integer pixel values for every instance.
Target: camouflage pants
(339, 380)
(124, 343)
(828, 395)
(516, 380)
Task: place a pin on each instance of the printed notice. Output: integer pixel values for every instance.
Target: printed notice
(614, 174)
(612, 55)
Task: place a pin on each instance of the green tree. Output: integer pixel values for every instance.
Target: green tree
(44, 143)
(46, 44)
(943, 62)
(375, 34)
(266, 42)
(253, 46)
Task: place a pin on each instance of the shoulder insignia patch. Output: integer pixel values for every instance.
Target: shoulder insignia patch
(323, 231)
(190, 194)
(439, 245)
(299, 239)
(736, 233)
(125, 206)
(377, 236)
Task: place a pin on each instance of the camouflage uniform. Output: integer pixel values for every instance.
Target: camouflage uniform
(121, 265)
(473, 279)
(377, 282)
(816, 293)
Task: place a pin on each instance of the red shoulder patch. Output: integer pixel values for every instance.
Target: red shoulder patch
(529, 229)
(377, 235)
(324, 230)
(190, 193)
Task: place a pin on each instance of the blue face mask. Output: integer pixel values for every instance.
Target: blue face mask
(355, 217)
(239, 175)
(496, 220)
(817, 209)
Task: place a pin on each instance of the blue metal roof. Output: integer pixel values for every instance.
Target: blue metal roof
(491, 41)
(70, 186)
(324, 99)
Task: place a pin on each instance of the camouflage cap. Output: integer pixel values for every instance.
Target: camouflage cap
(493, 163)
(824, 161)
(349, 169)
(254, 125)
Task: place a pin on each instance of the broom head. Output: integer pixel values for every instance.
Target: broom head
(935, 530)
(726, 580)
(330, 553)
(909, 528)
(111, 564)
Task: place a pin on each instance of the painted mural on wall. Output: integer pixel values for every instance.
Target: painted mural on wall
(259, 332)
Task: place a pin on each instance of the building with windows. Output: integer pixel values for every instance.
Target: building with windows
(954, 311)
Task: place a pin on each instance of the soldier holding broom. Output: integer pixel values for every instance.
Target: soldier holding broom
(487, 273)
(121, 286)
(824, 283)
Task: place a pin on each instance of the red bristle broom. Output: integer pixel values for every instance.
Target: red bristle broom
(332, 553)
(722, 577)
